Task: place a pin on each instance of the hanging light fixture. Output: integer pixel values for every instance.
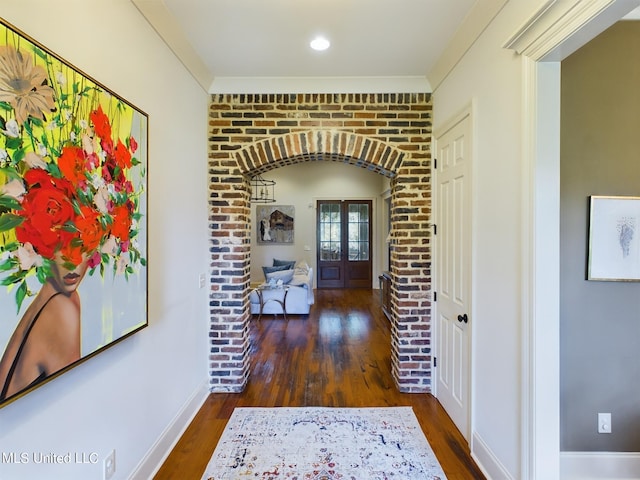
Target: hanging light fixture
(262, 190)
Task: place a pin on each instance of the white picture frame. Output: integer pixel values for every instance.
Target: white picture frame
(614, 239)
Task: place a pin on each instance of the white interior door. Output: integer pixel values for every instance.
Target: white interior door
(453, 271)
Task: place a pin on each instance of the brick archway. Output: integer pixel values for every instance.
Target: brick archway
(320, 145)
(240, 148)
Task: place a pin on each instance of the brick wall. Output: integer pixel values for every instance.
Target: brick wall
(386, 133)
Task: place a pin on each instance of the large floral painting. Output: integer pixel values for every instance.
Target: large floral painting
(73, 160)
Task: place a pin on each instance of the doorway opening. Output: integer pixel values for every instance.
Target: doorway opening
(251, 148)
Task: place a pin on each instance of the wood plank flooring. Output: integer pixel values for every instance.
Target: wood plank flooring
(337, 356)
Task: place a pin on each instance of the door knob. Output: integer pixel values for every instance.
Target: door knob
(463, 318)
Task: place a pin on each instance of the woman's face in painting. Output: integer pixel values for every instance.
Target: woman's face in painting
(63, 279)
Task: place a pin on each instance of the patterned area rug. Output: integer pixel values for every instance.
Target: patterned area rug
(312, 443)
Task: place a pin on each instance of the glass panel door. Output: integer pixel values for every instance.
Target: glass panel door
(358, 225)
(330, 232)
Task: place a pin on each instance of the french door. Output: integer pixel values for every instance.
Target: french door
(344, 243)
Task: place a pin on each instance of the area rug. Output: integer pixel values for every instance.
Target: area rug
(317, 443)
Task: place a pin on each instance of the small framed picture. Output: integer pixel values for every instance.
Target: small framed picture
(275, 223)
(614, 239)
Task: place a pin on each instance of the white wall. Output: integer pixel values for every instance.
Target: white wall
(301, 186)
(489, 78)
(516, 109)
(126, 397)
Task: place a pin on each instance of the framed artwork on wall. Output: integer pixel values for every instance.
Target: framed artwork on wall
(275, 223)
(73, 216)
(614, 243)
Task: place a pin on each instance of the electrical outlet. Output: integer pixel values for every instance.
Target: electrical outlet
(110, 465)
(201, 280)
(604, 423)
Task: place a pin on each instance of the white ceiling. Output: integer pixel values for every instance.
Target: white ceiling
(238, 40)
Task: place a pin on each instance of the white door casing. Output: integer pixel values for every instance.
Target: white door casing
(453, 270)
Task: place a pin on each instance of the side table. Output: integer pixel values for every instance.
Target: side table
(267, 293)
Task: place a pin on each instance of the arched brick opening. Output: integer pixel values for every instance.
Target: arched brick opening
(230, 213)
(320, 145)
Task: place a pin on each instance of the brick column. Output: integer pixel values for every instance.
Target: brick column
(411, 276)
(229, 223)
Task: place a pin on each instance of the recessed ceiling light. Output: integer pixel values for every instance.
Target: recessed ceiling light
(320, 43)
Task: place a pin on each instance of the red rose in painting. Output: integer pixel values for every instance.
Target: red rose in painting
(102, 128)
(46, 208)
(71, 253)
(108, 169)
(37, 177)
(133, 145)
(89, 232)
(90, 228)
(73, 165)
(101, 123)
(122, 185)
(123, 156)
(121, 222)
(127, 187)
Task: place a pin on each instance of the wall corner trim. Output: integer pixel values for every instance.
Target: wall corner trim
(161, 20)
(476, 21)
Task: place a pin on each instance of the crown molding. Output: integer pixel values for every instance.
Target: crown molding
(258, 85)
(560, 27)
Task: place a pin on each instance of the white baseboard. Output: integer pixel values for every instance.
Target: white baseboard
(600, 465)
(487, 461)
(162, 447)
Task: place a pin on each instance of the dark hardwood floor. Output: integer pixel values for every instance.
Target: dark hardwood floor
(337, 356)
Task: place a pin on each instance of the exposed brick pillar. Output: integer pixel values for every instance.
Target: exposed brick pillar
(386, 133)
(230, 216)
(411, 276)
